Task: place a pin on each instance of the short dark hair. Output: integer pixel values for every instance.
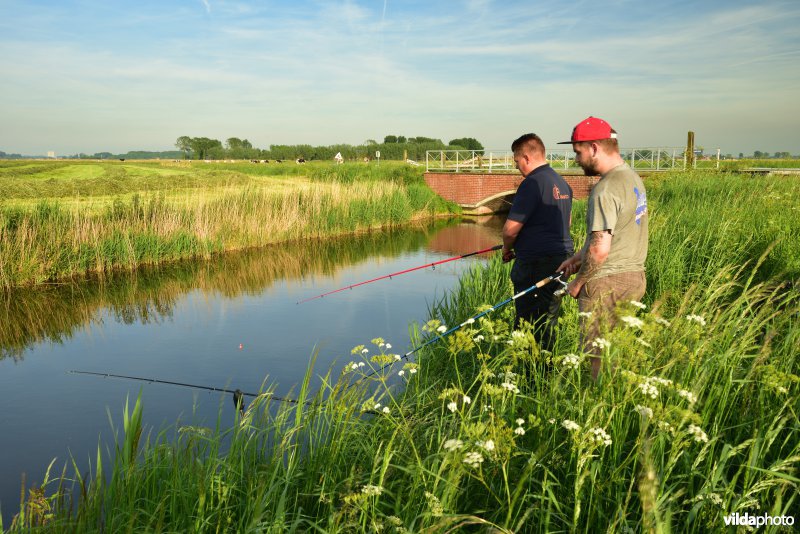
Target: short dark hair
(528, 142)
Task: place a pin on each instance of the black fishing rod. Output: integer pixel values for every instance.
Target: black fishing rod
(398, 273)
(238, 395)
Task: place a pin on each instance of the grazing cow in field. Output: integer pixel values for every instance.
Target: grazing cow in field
(278, 161)
(300, 160)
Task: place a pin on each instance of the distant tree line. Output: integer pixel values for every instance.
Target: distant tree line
(394, 147)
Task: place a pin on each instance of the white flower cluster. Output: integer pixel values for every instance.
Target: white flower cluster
(570, 425)
(510, 387)
(452, 406)
(713, 497)
(487, 445)
(649, 389)
(473, 459)
(353, 366)
(600, 437)
(442, 329)
(434, 504)
(666, 427)
(633, 322)
(663, 322)
(698, 433)
(478, 338)
(696, 318)
(371, 490)
(453, 445)
(519, 430)
(644, 411)
(688, 395)
(585, 315)
(639, 305)
(571, 360)
(601, 343)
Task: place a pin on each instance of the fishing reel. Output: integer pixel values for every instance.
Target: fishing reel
(561, 290)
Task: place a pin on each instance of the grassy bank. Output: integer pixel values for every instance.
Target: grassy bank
(694, 416)
(59, 219)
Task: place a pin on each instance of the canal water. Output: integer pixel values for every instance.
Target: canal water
(232, 322)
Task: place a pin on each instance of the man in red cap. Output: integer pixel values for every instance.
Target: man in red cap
(610, 265)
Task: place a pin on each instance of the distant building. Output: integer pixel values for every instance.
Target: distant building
(51, 154)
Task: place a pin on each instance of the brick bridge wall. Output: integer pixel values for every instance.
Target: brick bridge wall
(473, 190)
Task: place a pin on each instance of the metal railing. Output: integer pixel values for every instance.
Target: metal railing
(488, 161)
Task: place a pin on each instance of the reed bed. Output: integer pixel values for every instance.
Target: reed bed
(693, 418)
(129, 222)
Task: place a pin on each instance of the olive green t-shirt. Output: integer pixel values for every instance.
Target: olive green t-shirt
(618, 202)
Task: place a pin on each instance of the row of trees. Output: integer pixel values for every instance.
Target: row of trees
(394, 147)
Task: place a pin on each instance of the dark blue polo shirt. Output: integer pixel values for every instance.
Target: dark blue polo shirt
(543, 204)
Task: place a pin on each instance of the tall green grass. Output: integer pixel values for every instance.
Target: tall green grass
(694, 416)
(124, 222)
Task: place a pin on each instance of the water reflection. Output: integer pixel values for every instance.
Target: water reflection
(230, 322)
(54, 313)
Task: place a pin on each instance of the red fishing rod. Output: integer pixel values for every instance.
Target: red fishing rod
(433, 265)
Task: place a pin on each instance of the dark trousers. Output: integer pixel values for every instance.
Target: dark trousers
(539, 307)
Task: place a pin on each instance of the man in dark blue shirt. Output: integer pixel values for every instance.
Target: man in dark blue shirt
(537, 234)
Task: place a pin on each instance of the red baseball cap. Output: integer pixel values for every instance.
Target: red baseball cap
(590, 129)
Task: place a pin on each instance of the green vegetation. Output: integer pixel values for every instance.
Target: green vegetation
(694, 416)
(60, 219)
(393, 148)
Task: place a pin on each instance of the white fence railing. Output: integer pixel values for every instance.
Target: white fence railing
(487, 161)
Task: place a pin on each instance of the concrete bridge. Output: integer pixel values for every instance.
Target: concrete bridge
(480, 194)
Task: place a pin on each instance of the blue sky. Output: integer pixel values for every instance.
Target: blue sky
(90, 76)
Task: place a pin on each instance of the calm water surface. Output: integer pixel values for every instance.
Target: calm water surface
(233, 322)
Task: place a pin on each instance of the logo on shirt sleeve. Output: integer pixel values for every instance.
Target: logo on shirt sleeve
(641, 204)
(557, 194)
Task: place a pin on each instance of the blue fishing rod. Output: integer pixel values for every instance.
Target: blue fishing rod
(238, 395)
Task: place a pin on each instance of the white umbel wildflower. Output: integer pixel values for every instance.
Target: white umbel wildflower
(571, 361)
(697, 319)
(453, 444)
(648, 390)
(688, 395)
(452, 406)
(697, 433)
(371, 490)
(570, 425)
(644, 411)
(633, 322)
(519, 431)
(601, 343)
(473, 459)
(638, 304)
(600, 437)
(488, 444)
(510, 387)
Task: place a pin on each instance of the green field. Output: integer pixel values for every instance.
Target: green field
(694, 416)
(65, 218)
